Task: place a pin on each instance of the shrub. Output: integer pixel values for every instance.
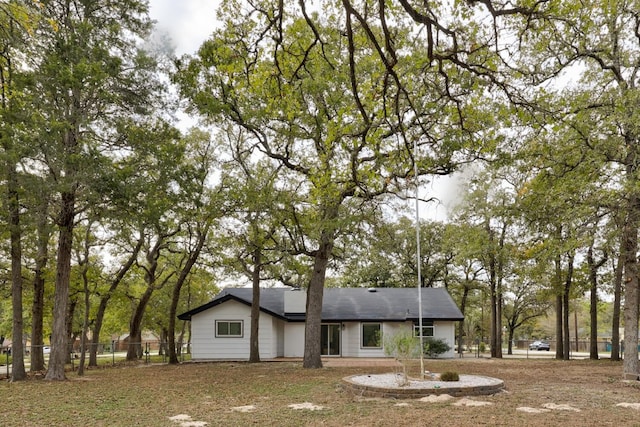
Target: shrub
(449, 376)
(434, 347)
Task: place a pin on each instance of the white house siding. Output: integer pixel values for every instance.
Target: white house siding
(294, 339)
(279, 338)
(278, 345)
(205, 344)
(446, 331)
(351, 338)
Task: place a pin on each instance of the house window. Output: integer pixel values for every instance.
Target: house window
(427, 329)
(371, 335)
(229, 328)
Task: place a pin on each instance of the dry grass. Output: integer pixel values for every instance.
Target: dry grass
(148, 395)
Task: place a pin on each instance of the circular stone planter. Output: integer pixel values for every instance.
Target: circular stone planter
(386, 385)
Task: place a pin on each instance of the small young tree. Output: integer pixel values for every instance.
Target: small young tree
(403, 346)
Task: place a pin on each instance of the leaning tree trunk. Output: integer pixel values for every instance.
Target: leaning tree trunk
(104, 301)
(134, 349)
(182, 278)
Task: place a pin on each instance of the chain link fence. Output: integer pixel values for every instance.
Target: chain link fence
(105, 353)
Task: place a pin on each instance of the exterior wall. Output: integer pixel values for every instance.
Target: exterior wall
(352, 332)
(286, 339)
(294, 339)
(205, 344)
(446, 331)
(278, 345)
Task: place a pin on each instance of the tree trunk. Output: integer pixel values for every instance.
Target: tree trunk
(312, 327)
(175, 297)
(463, 306)
(164, 338)
(498, 352)
(566, 297)
(87, 308)
(593, 312)
(71, 336)
(630, 364)
(104, 300)
(499, 265)
(559, 308)
(593, 302)
(493, 333)
(617, 301)
(134, 349)
(254, 344)
(493, 291)
(510, 331)
(18, 372)
(59, 334)
(37, 306)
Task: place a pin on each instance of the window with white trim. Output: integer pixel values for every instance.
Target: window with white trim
(427, 329)
(371, 335)
(229, 328)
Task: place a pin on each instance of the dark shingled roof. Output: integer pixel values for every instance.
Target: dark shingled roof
(350, 304)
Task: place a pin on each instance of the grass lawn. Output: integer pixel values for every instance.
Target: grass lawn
(217, 394)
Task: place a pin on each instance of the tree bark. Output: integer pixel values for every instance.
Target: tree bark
(593, 301)
(566, 298)
(37, 306)
(18, 372)
(630, 364)
(104, 300)
(134, 349)
(617, 302)
(559, 307)
(59, 335)
(463, 307)
(315, 292)
(175, 297)
(84, 262)
(254, 344)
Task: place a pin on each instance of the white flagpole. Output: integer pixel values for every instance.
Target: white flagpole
(418, 257)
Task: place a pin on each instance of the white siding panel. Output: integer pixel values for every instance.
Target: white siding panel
(350, 339)
(205, 344)
(278, 328)
(446, 331)
(294, 339)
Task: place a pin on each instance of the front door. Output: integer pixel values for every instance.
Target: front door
(330, 342)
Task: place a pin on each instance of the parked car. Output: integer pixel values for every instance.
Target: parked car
(46, 350)
(539, 345)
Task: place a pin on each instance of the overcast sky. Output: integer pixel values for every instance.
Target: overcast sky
(188, 22)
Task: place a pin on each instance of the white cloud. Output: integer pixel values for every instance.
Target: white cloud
(188, 22)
